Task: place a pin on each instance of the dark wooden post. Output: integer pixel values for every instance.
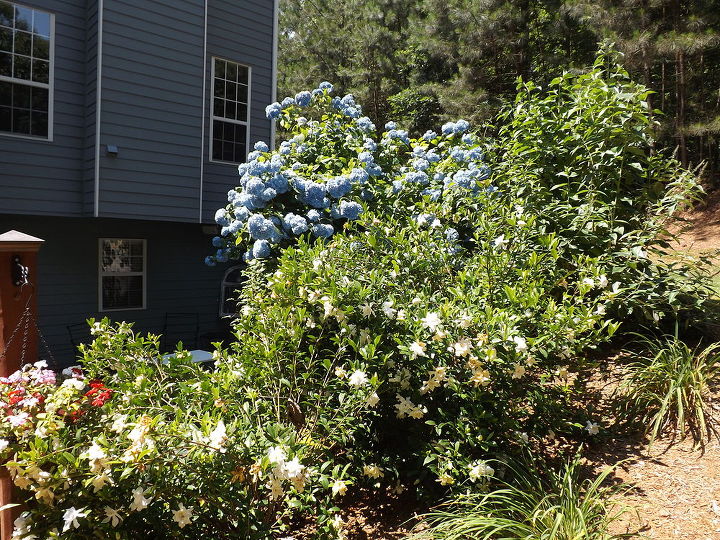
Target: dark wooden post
(18, 281)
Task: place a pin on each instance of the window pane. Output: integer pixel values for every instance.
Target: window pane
(231, 72)
(6, 64)
(21, 67)
(41, 23)
(21, 121)
(122, 292)
(21, 96)
(242, 93)
(6, 14)
(23, 18)
(217, 149)
(23, 43)
(5, 119)
(41, 47)
(220, 69)
(41, 71)
(40, 99)
(219, 89)
(6, 39)
(6, 93)
(242, 75)
(218, 109)
(230, 109)
(39, 124)
(242, 112)
(230, 90)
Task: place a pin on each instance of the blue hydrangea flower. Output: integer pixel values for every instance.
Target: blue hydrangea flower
(252, 156)
(234, 227)
(260, 228)
(433, 193)
(370, 145)
(221, 217)
(210, 261)
(399, 134)
(261, 249)
(427, 220)
(285, 148)
(461, 126)
(458, 154)
(313, 216)
(390, 126)
(468, 138)
(255, 186)
(326, 86)
(448, 128)
(242, 169)
(417, 177)
(419, 151)
(338, 186)
(232, 196)
(439, 176)
(287, 102)
(420, 164)
(279, 183)
(295, 224)
(221, 255)
(323, 230)
(366, 157)
(397, 186)
(350, 210)
(261, 146)
(218, 242)
(241, 213)
(247, 256)
(268, 195)
(475, 154)
(257, 168)
(432, 157)
(374, 170)
(303, 98)
(429, 135)
(273, 111)
(365, 124)
(452, 235)
(366, 195)
(359, 176)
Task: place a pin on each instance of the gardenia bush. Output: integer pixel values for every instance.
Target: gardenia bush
(413, 309)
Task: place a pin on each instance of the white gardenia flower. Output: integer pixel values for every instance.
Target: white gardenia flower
(95, 452)
(71, 517)
(603, 281)
(293, 468)
(590, 282)
(480, 469)
(218, 436)
(417, 349)
(500, 242)
(367, 310)
(3, 444)
(520, 344)
(276, 455)
(518, 371)
(388, 309)
(182, 515)
(358, 378)
(339, 487)
(592, 428)
(463, 347)
(372, 471)
(113, 516)
(431, 321)
(139, 502)
(372, 400)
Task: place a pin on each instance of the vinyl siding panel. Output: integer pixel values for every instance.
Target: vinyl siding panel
(177, 279)
(152, 109)
(45, 177)
(243, 33)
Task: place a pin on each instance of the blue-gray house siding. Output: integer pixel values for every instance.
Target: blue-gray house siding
(136, 73)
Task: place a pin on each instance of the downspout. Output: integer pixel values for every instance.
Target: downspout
(98, 104)
(204, 105)
(276, 25)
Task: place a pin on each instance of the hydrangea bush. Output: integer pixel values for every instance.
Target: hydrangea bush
(411, 313)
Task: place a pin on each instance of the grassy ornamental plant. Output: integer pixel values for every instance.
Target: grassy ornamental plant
(412, 309)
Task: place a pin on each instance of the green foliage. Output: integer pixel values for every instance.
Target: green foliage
(531, 506)
(667, 387)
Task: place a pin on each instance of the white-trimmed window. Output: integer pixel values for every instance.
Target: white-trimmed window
(230, 118)
(26, 71)
(230, 289)
(123, 274)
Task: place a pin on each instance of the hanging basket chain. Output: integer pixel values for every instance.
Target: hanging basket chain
(25, 323)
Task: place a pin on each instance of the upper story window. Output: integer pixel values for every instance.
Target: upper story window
(123, 264)
(26, 67)
(230, 118)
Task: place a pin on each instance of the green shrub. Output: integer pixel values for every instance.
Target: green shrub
(530, 507)
(667, 387)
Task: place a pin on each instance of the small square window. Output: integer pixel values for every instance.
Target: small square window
(122, 274)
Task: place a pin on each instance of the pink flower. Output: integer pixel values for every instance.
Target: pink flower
(18, 419)
(45, 376)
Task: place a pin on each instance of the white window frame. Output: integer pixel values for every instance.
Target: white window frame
(226, 285)
(102, 274)
(245, 123)
(50, 86)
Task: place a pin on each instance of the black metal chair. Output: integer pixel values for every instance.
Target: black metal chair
(79, 333)
(183, 327)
